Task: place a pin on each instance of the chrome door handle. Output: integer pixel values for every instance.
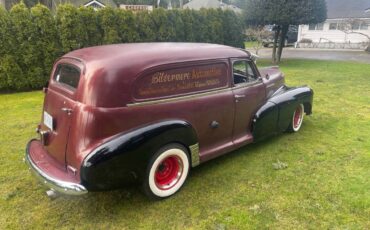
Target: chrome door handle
(67, 110)
(238, 97)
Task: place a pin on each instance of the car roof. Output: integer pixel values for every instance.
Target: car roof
(145, 55)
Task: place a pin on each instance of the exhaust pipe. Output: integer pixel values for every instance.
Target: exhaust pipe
(52, 194)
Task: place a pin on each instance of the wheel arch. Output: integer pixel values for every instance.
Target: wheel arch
(275, 115)
(125, 156)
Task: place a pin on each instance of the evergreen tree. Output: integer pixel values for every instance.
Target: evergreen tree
(91, 28)
(165, 30)
(232, 29)
(45, 40)
(200, 26)
(145, 27)
(24, 49)
(32, 39)
(110, 24)
(187, 17)
(213, 25)
(176, 21)
(8, 66)
(127, 26)
(70, 28)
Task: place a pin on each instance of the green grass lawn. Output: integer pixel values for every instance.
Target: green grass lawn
(250, 44)
(325, 186)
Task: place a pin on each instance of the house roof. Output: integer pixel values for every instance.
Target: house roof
(213, 4)
(78, 3)
(348, 8)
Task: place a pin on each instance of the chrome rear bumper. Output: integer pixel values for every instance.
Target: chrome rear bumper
(55, 184)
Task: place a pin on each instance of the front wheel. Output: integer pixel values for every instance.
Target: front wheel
(166, 172)
(297, 119)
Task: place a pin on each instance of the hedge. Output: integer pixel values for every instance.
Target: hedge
(32, 39)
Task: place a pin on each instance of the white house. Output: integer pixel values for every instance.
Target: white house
(348, 21)
(211, 4)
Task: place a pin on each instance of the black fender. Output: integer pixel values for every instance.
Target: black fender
(276, 114)
(124, 158)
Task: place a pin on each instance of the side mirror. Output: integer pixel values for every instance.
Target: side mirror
(267, 76)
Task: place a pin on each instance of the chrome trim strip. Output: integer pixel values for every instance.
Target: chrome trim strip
(57, 185)
(179, 98)
(194, 150)
(246, 84)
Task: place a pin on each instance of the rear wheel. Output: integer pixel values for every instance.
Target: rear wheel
(297, 119)
(166, 172)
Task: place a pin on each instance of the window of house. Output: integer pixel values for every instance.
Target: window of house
(341, 26)
(364, 26)
(333, 26)
(356, 26)
(318, 26)
(243, 72)
(311, 26)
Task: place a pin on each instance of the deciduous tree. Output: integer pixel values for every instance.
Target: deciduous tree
(283, 13)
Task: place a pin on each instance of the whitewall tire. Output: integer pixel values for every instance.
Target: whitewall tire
(166, 172)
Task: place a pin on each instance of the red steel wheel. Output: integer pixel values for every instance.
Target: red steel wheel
(167, 172)
(297, 119)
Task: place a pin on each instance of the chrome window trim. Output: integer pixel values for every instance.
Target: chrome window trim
(254, 69)
(247, 84)
(179, 98)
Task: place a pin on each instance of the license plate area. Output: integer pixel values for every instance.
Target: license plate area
(48, 120)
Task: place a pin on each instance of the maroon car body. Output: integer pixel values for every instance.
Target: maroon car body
(109, 110)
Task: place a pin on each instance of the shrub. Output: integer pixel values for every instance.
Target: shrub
(31, 39)
(46, 41)
(70, 28)
(24, 49)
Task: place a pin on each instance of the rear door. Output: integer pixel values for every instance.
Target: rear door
(59, 105)
(249, 95)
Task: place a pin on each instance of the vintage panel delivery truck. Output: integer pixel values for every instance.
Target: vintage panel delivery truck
(149, 112)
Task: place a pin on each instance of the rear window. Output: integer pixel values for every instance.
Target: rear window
(67, 75)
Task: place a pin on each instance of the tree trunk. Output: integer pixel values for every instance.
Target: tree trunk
(284, 31)
(276, 36)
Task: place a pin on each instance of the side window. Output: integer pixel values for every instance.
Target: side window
(243, 72)
(67, 75)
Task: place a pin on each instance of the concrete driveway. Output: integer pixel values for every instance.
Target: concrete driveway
(318, 54)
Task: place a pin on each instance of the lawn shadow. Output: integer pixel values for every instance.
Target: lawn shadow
(249, 149)
(109, 205)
